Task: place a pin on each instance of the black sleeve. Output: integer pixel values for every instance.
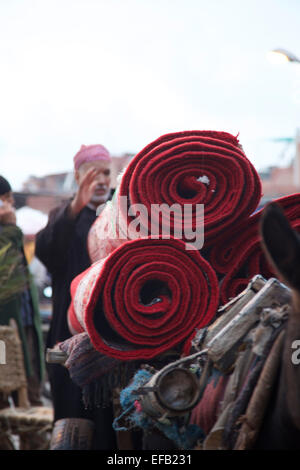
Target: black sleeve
(52, 243)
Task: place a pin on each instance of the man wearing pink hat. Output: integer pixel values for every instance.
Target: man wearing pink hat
(62, 247)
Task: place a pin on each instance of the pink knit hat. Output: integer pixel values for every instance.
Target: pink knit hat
(90, 153)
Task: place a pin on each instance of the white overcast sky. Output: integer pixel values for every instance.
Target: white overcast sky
(124, 72)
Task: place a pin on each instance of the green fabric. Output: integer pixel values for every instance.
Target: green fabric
(12, 308)
(37, 325)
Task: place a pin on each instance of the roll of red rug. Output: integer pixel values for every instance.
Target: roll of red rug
(238, 254)
(145, 298)
(182, 169)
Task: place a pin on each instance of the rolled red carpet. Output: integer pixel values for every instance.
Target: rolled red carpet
(238, 254)
(145, 298)
(191, 167)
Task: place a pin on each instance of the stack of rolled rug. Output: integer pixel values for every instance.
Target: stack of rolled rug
(150, 290)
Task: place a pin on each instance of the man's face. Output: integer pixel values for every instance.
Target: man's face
(102, 190)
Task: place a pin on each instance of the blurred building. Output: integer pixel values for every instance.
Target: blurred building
(279, 182)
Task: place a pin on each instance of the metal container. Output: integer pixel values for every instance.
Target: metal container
(170, 393)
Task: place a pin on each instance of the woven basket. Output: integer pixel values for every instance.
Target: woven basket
(12, 373)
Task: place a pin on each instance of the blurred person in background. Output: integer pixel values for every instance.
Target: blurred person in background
(19, 300)
(62, 248)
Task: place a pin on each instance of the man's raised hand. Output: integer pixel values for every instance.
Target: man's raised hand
(85, 191)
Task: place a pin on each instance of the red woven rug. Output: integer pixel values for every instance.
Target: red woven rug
(191, 167)
(238, 253)
(145, 298)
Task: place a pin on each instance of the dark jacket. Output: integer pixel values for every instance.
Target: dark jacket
(62, 247)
